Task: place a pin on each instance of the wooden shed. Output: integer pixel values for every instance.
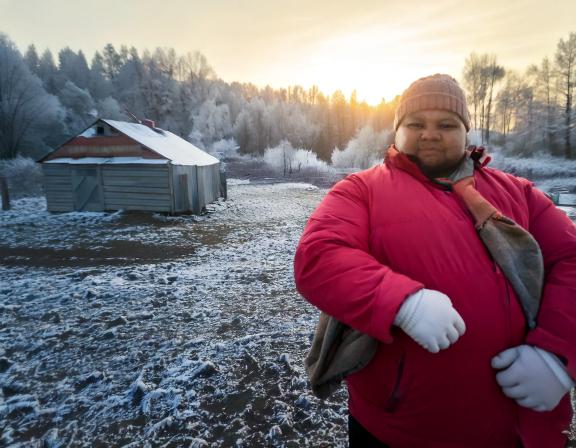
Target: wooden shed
(115, 165)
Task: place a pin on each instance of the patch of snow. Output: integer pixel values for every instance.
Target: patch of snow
(233, 182)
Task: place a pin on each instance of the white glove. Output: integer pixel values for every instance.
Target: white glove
(533, 377)
(427, 316)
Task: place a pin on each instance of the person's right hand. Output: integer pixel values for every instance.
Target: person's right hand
(428, 317)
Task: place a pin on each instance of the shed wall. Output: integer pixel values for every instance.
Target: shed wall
(136, 187)
(208, 183)
(58, 187)
(185, 188)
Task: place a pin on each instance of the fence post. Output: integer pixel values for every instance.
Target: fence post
(4, 193)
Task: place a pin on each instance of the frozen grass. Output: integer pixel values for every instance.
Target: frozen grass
(534, 168)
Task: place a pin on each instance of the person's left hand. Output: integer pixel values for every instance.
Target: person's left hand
(533, 377)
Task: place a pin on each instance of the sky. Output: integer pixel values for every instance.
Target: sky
(374, 46)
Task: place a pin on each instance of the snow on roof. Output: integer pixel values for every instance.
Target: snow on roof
(108, 161)
(174, 148)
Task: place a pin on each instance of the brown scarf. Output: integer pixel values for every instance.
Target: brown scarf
(338, 350)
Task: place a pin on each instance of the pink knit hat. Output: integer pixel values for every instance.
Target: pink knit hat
(433, 92)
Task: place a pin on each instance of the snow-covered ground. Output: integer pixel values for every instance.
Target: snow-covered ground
(146, 330)
(142, 330)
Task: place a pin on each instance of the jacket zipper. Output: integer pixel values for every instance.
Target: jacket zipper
(394, 397)
(507, 309)
(508, 312)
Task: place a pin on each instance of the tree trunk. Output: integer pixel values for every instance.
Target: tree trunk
(567, 148)
(489, 108)
(488, 118)
(568, 114)
(5, 194)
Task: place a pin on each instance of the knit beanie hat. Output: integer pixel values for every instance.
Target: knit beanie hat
(433, 92)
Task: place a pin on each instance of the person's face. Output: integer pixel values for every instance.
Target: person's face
(434, 139)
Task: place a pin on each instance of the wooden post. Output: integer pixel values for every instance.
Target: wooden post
(5, 194)
(223, 185)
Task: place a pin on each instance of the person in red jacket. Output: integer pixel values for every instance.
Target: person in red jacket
(394, 253)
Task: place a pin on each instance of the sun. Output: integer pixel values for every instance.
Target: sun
(379, 63)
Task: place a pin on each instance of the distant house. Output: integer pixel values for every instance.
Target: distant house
(115, 165)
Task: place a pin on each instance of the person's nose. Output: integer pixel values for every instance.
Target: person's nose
(429, 133)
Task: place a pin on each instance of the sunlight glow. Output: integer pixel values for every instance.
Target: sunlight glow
(379, 62)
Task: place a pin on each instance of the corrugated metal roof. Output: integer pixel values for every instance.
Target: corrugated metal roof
(174, 148)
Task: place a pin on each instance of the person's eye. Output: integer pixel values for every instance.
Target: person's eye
(448, 126)
(414, 125)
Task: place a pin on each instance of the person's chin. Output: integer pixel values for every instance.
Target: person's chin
(433, 168)
(430, 161)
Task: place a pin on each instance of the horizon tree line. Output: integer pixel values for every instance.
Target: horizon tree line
(525, 112)
(45, 100)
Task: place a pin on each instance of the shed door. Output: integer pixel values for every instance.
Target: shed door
(86, 188)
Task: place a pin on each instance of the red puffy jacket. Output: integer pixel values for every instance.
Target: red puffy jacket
(384, 233)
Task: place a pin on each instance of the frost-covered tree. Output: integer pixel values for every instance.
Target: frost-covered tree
(320, 115)
(23, 176)
(48, 72)
(366, 149)
(566, 66)
(285, 159)
(383, 115)
(99, 86)
(481, 73)
(543, 81)
(128, 84)
(73, 67)
(292, 122)
(224, 149)
(495, 73)
(242, 133)
(194, 67)
(341, 120)
(194, 72)
(166, 61)
(109, 108)
(80, 107)
(27, 112)
(231, 97)
(211, 123)
(515, 114)
(254, 128)
(158, 92)
(112, 61)
(32, 60)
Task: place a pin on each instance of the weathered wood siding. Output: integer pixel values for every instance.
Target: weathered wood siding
(208, 183)
(160, 188)
(195, 186)
(137, 187)
(58, 187)
(185, 189)
(86, 188)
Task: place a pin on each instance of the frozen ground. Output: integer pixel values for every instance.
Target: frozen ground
(144, 330)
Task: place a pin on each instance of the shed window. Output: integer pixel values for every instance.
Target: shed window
(99, 130)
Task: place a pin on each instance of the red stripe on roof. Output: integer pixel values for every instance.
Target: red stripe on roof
(114, 140)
